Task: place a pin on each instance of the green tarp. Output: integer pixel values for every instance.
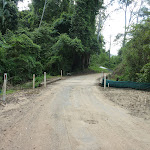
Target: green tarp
(127, 84)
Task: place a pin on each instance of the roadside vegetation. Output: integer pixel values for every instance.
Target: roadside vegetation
(135, 55)
(63, 39)
(68, 38)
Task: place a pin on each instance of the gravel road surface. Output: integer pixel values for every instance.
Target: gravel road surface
(71, 114)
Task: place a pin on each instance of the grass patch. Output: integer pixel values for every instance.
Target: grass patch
(28, 85)
(38, 80)
(98, 70)
(8, 92)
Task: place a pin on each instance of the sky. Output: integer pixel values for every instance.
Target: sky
(115, 24)
(24, 5)
(112, 26)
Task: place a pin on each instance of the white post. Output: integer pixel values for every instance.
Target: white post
(100, 79)
(102, 76)
(108, 84)
(44, 79)
(104, 82)
(4, 86)
(61, 73)
(33, 81)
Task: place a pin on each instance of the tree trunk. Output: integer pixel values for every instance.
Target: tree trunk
(83, 61)
(99, 25)
(137, 21)
(43, 13)
(125, 31)
(87, 60)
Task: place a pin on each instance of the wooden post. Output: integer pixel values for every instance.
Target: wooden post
(33, 81)
(101, 78)
(44, 79)
(4, 86)
(61, 74)
(104, 82)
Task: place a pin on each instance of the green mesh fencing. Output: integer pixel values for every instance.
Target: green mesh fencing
(127, 84)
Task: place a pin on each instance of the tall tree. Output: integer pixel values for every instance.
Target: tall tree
(8, 15)
(83, 26)
(43, 13)
(133, 10)
(103, 15)
(50, 9)
(136, 53)
(65, 5)
(124, 4)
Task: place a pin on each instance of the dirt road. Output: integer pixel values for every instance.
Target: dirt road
(72, 114)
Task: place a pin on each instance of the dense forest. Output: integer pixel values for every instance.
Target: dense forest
(62, 34)
(63, 39)
(135, 55)
(135, 52)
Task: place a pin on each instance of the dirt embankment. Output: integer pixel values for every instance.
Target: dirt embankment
(136, 101)
(24, 92)
(18, 96)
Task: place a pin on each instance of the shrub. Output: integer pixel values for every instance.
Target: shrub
(144, 75)
(22, 58)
